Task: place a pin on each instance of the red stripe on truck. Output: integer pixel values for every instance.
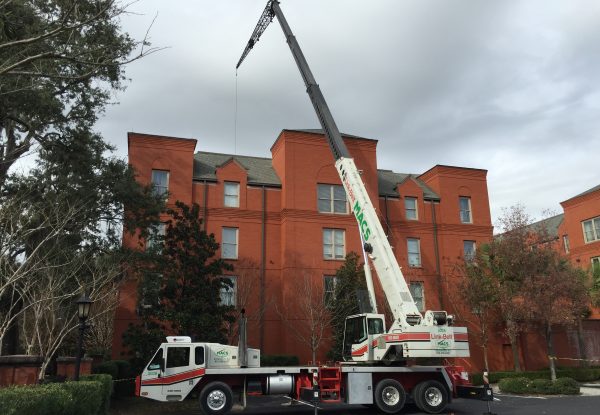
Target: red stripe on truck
(180, 377)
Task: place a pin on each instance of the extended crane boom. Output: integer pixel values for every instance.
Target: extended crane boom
(411, 335)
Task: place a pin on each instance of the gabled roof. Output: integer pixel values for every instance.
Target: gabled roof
(260, 171)
(593, 189)
(388, 180)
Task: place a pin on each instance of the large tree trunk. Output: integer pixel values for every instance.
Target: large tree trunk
(550, 350)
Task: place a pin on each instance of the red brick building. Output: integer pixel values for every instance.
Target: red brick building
(283, 219)
(576, 234)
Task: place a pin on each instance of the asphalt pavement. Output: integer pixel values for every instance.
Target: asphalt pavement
(588, 404)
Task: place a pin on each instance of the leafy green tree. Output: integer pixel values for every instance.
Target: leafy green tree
(181, 289)
(349, 281)
(62, 228)
(59, 62)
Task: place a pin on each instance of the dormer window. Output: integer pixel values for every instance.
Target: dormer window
(231, 194)
(410, 208)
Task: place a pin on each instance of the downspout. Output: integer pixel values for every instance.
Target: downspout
(263, 259)
(205, 207)
(387, 218)
(436, 250)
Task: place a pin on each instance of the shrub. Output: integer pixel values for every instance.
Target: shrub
(541, 386)
(279, 360)
(107, 387)
(579, 374)
(35, 400)
(87, 397)
(514, 385)
(566, 386)
(109, 368)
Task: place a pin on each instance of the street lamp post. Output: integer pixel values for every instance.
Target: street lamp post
(83, 311)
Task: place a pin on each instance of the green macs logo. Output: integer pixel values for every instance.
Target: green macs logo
(364, 226)
(443, 344)
(222, 353)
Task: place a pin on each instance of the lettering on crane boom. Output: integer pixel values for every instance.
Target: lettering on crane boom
(364, 226)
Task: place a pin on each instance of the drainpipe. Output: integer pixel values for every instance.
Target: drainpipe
(263, 259)
(437, 256)
(387, 218)
(205, 207)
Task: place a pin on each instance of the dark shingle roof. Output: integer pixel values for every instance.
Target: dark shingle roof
(593, 189)
(260, 171)
(549, 225)
(388, 180)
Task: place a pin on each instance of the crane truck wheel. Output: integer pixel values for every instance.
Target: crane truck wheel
(430, 396)
(216, 398)
(390, 396)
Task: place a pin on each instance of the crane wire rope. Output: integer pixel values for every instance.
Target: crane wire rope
(235, 114)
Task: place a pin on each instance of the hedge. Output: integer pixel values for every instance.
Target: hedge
(579, 374)
(121, 372)
(107, 388)
(90, 396)
(279, 360)
(522, 385)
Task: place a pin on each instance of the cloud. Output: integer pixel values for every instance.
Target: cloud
(508, 86)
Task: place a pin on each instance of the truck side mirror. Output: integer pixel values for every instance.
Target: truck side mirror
(162, 364)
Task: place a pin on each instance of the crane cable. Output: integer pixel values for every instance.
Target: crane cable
(235, 115)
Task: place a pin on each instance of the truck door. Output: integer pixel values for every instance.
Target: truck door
(150, 379)
(177, 363)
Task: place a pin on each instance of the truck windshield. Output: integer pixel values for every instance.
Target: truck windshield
(155, 362)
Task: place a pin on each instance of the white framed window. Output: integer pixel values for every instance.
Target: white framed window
(414, 252)
(566, 243)
(334, 243)
(331, 198)
(160, 182)
(417, 291)
(329, 283)
(231, 193)
(156, 237)
(229, 243)
(410, 208)
(228, 293)
(465, 209)
(469, 250)
(596, 264)
(591, 229)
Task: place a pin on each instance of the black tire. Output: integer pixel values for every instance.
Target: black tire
(390, 396)
(216, 398)
(430, 396)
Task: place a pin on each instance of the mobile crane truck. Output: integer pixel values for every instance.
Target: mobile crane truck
(374, 370)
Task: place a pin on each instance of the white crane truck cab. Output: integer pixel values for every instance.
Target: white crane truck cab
(179, 364)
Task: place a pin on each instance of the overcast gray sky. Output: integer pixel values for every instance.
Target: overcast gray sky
(507, 86)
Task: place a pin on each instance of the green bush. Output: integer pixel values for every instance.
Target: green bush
(107, 387)
(35, 400)
(119, 370)
(579, 374)
(562, 386)
(87, 396)
(514, 385)
(279, 360)
(541, 386)
(566, 386)
(109, 368)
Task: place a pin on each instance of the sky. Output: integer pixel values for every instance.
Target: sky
(507, 86)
